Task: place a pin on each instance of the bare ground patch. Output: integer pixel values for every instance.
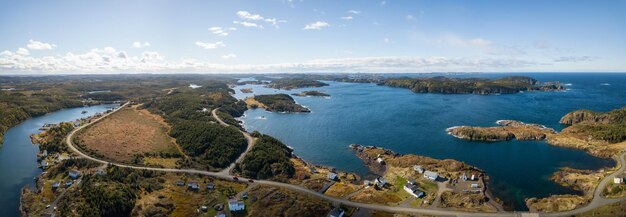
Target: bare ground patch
(127, 133)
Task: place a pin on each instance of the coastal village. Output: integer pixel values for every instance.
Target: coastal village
(395, 180)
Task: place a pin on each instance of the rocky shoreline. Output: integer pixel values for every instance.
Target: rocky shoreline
(457, 185)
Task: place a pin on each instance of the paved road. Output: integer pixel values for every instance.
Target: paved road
(249, 139)
(596, 202)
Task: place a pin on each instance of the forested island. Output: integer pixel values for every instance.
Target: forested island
(446, 85)
(311, 93)
(275, 103)
(294, 83)
(421, 84)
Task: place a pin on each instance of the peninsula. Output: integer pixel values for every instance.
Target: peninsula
(275, 103)
(311, 93)
(426, 181)
(294, 83)
(599, 134)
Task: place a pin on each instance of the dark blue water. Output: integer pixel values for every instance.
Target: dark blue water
(18, 156)
(406, 122)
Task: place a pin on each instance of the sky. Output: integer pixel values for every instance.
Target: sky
(265, 36)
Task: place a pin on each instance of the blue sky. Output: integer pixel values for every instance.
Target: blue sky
(311, 36)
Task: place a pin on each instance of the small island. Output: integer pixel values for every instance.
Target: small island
(508, 130)
(246, 90)
(275, 103)
(294, 83)
(311, 93)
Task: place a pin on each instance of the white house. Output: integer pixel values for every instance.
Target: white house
(235, 205)
(332, 176)
(431, 175)
(413, 190)
(380, 160)
(44, 164)
(418, 169)
(619, 179)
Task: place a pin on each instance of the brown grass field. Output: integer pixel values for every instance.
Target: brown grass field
(128, 132)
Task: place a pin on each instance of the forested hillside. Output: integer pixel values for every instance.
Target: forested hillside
(269, 158)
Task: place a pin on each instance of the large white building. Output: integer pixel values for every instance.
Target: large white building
(236, 205)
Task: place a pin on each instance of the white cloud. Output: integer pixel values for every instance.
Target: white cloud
(316, 25)
(245, 15)
(347, 18)
(409, 17)
(383, 3)
(38, 45)
(248, 24)
(218, 31)
(386, 40)
(110, 60)
(249, 16)
(354, 12)
(139, 44)
(229, 56)
(22, 51)
(210, 46)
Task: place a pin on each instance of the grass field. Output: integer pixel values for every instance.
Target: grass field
(127, 133)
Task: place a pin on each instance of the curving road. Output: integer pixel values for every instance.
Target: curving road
(249, 138)
(597, 200)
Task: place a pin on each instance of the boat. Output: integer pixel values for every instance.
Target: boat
(83, 112)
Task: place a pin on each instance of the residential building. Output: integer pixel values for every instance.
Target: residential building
(381, 182)
(74, 174)
(380, 160)
(210, 186)
(619, 179)
(418, 169)
(332, 176)
(413, 190)
(220, 214)
(336, 212)
(55, 185)
(193, 186)
(431, 175)
(236, 205)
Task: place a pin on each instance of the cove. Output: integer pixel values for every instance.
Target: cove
(406, 122)
(18, 160)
